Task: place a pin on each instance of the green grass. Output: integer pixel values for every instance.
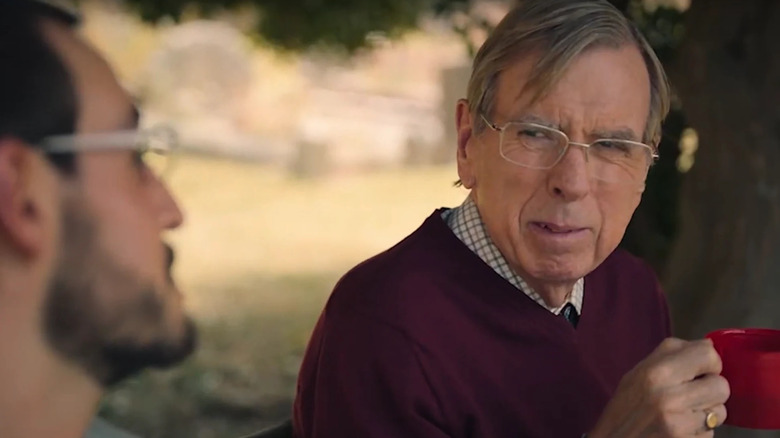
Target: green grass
(257, 258)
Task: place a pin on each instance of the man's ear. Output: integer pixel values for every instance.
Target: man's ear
(465, 127)
(20, 200)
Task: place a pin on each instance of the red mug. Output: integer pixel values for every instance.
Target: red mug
(751, 364)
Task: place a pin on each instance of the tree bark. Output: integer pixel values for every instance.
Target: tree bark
(724, 270)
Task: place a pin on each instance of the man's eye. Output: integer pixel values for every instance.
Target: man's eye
(615, 145)
(531, 133)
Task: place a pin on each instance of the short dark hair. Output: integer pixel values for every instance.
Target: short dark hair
(37, 95)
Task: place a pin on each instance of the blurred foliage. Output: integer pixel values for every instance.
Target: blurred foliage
(347, 24)
(654, 227)
(303, 24)
(663, 27)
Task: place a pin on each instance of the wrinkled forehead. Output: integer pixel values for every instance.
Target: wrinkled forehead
(103, 105)
(602, 86)
(544, 70)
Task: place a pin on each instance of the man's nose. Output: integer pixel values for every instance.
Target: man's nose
(569, 179)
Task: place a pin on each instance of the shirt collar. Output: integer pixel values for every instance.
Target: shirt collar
(466, 223)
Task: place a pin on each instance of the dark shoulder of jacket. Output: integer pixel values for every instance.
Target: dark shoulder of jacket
(624, 264)
(394, 277)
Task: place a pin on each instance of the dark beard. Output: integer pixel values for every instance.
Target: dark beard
(109, 339)
(124, 359)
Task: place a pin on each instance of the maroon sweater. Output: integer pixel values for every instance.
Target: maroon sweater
(427, 341)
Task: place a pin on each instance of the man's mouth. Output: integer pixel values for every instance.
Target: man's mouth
(170, 256)
(557, 228)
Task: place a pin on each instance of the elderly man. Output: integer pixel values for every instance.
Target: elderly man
(513, 315)
(86, 296)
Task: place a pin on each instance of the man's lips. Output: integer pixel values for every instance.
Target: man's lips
(170, 256)
(556, 228)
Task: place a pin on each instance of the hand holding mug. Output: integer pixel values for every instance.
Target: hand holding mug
(677, 391)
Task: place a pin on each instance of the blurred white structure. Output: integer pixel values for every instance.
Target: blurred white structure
(198, 80)
(228, 95)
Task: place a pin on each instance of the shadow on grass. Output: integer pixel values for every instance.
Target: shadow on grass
(253, 332)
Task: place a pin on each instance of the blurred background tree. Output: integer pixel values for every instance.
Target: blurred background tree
(710, 229)
(305, 24)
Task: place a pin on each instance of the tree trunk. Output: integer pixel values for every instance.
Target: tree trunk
(725, 267)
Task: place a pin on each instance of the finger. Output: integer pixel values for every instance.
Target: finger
(721, 414)
(701, 394)
(693, 423)
(670, 345)
(693, 360)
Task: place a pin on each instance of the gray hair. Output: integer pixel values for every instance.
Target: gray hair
(560, 30)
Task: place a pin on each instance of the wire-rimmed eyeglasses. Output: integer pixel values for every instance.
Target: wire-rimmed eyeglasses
(536, 146)
(154, 146)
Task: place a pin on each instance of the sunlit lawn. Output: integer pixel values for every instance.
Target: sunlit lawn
(257, 258)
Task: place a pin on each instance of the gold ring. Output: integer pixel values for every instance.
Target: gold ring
(711, 420)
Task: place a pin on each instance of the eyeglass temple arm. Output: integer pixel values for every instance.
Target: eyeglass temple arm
(492, 126)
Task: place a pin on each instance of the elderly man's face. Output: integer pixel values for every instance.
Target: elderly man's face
(555, 226)
(112, 306)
